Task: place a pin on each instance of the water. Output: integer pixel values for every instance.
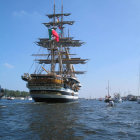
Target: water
(84, 120)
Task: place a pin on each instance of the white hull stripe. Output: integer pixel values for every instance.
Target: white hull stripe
(53, 96)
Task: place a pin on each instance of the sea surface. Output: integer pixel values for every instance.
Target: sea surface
(83, 120)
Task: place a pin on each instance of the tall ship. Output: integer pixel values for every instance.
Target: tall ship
(54, 78)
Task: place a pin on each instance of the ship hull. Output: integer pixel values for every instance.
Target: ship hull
(54, 96)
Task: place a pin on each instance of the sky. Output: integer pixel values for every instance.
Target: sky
(109, 28)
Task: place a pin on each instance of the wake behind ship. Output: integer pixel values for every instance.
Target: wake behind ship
(54, 79)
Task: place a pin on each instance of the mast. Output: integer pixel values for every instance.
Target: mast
(68, 66)
(108, 88)
(139, 82)
(54, 13)
(61, 47)
(52, 58)
(59, 52)
(52, 45)
(61, 18)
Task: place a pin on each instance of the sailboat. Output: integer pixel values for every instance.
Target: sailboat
(117, 98)
(54, 80)
(108, 97)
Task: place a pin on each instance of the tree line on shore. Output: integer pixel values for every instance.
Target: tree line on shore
(15, 93)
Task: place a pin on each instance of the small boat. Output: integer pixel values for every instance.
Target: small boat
(108, 97)
(100, 99)
(10, 98)
(30, 99)
(117, 98)
(22, 98)
(133, 98)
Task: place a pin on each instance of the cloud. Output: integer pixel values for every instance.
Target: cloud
(20, 13)
(8, 65)
(23, 13)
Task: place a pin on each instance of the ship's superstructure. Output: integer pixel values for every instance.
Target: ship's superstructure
(54, 79)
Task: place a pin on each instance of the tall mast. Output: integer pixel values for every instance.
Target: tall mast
(52, 57)
(62, 18)
(69, 66)
(108, 88)
(61, 47)
(54, 13)
(139, 82)
(52, 45)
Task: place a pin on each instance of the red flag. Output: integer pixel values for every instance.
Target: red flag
(54, 33)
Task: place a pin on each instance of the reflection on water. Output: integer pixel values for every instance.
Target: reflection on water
(86, 119)
(54, 121)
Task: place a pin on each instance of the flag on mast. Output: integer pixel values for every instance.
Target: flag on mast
(53, 33)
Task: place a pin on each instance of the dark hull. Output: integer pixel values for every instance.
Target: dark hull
(1, 95)
(133, 99)
(54, 100)
(108, 100)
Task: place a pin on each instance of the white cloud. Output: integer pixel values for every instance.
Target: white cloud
(24, 13)
(20, 13)
(8, 65)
